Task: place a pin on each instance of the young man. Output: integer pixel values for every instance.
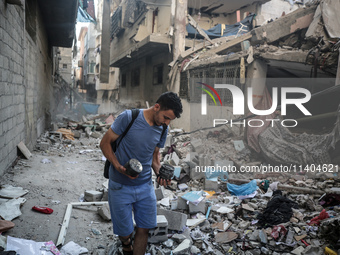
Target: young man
(126, 193)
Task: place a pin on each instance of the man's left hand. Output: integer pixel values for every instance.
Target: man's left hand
(163, 182)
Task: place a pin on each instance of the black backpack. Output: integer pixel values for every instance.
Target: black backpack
(115, 144)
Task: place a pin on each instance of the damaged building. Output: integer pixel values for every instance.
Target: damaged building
(160, 46)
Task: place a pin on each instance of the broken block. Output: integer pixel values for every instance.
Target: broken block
(105, 195)
(44, 146)
(199, 208)
(76, 133)
(93, 195)
(95, 135)
(104, 212)
(197, 145)
(182, 204)
(24, 150)
(174, 159)
(183, 248)
(196, 173)
(159, 193)
(56, 135)
(160, 233)
(211, 184)
(176, 220)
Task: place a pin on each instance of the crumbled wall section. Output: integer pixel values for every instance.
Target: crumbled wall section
(12, 89)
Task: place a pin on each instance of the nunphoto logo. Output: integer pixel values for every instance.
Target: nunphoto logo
(302, 96)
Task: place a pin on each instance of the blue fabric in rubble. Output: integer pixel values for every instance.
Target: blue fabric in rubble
(243, 189)
(233, 29)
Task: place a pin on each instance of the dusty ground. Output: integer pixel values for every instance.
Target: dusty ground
(56, 184)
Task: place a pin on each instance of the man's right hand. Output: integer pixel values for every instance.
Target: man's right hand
(122, 170)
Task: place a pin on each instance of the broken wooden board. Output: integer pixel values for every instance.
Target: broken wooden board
(67, 134)
(24, 150)
(66, 220)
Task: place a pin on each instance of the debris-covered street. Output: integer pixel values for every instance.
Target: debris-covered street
(201, 212)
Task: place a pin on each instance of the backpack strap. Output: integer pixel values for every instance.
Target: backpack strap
(135, 113)
(165, 127)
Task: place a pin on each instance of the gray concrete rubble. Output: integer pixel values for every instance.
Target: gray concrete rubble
(200, 213)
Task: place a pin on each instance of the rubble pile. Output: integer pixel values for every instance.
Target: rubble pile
(211, 206)
(254, 217)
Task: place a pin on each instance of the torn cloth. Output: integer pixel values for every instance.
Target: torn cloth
(243, 189)
(330, 200)
(316, 220)
(278, 210)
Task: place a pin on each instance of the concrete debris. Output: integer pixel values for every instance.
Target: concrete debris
(104, 212)
(93, 195)
(183, 248)
(160, 233)
(226, 237)
(73, 248)
(198, 214)
(24, 150)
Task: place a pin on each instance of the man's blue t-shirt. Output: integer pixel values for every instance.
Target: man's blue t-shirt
(139, 143)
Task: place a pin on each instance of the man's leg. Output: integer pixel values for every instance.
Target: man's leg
(126, 243)
(140, 241)
(120, 202)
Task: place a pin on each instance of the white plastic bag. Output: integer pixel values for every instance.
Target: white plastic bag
(25, 247)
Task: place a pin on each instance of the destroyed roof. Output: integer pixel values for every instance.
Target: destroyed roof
(238, 28)
(221, 6)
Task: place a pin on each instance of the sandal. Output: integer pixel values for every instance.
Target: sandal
(127, 246)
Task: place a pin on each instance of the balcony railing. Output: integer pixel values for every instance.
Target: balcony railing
(116, 23)
(132, 11)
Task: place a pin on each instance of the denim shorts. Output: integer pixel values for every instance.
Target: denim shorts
(125, 200)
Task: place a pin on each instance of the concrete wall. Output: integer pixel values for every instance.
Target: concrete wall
(107, 93)
(146, 91)
(12, 87)
(26, 93)
(38, 80)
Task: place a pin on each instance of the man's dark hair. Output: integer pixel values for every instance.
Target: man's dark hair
(170, 101)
